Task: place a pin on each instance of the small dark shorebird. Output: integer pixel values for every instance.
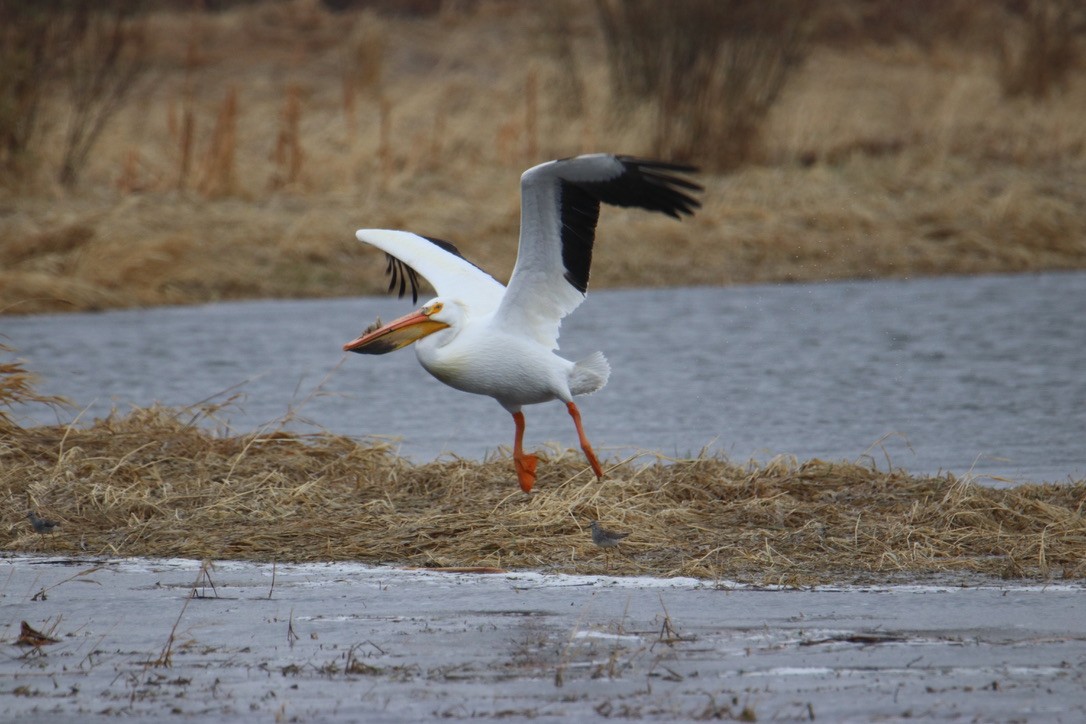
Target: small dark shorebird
(41, 525)
(605, 538)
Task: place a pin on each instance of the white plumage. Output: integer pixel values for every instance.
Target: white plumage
(482, 337)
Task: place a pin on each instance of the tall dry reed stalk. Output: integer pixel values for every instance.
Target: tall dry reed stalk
(531, 115)
(183, 132)
(185, 141)
(350, 111)
(219, 176)
(517, 139)
(567, 85)
(385, 160)
(363, 65)
(288, 154)
(130, 179)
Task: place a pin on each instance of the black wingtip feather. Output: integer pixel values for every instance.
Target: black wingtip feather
(651, 185)
(402, 275)
(580, 213)
(655, 186)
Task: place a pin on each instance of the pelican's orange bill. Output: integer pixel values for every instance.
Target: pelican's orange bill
(394, 335)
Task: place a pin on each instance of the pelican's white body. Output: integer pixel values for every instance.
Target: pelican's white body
(515, 370)
(485, 349)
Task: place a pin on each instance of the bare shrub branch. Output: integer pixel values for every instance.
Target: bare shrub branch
(709, 69)
(1039, 56)
(89, 54)
(106, 58)
(27, 39)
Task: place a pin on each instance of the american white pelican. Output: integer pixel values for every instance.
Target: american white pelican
(479, 336)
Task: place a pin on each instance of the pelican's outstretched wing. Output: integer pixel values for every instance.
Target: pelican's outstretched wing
(440, 263)
(559, 207)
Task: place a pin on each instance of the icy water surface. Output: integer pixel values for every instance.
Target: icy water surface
(983, 374)
(347, 643)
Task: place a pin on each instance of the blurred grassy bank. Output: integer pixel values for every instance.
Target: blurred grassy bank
(261, 135)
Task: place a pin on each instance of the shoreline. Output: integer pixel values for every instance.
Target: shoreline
(151, 483)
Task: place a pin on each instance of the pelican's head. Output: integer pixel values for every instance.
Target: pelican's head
(435, 315)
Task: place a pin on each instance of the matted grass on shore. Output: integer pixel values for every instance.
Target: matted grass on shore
(155, 482)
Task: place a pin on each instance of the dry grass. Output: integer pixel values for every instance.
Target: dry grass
(17, 388)
(274, 130)
(157, 483)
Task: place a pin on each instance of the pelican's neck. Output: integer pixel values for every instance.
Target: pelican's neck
(437, 354)
(431, 343)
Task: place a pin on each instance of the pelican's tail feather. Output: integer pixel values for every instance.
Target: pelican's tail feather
(589, 375)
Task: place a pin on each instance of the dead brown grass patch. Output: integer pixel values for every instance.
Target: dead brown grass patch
(17, 388)
(157, 483)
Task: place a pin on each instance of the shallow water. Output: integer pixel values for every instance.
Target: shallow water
(345, 642)
(981, 374)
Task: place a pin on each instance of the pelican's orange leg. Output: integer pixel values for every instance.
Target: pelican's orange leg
(576, 415)
(525, 464)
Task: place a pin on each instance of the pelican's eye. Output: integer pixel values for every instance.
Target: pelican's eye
(432, 308)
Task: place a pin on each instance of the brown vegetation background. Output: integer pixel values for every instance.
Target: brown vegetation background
(905, 139)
